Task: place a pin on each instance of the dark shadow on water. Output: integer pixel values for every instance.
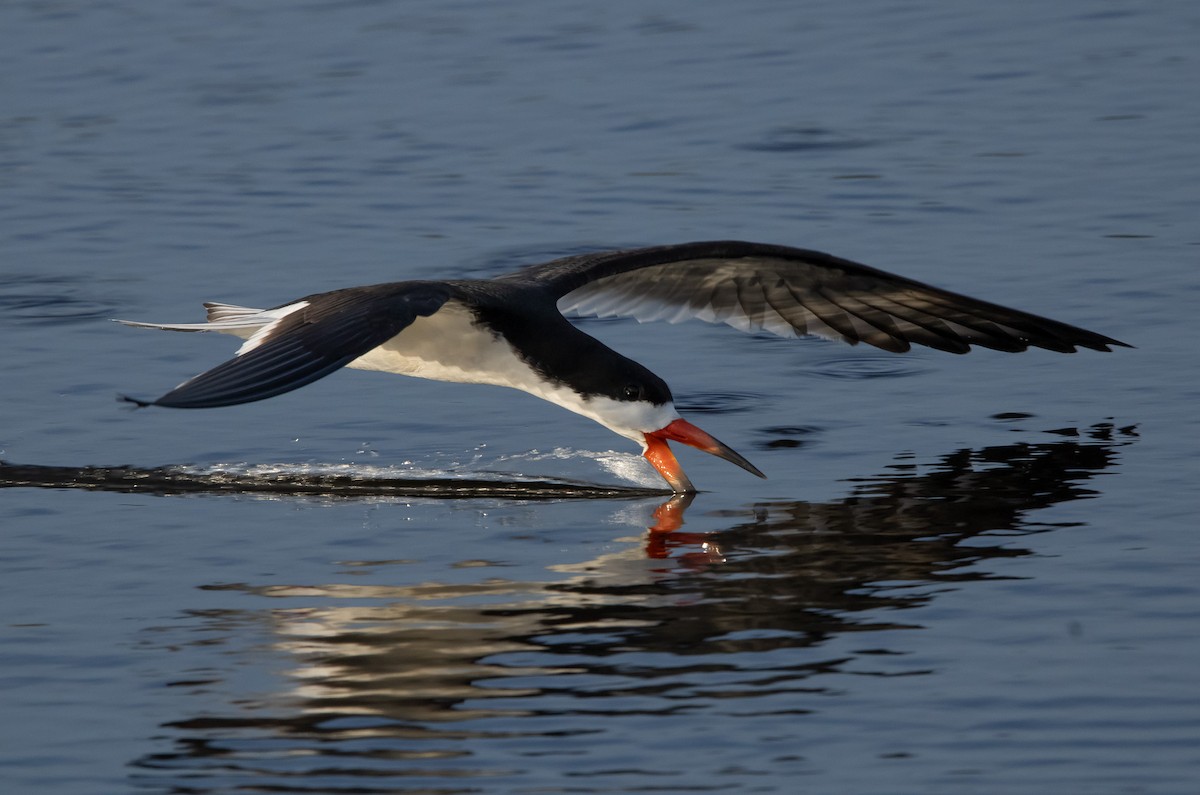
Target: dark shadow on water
(423, 688)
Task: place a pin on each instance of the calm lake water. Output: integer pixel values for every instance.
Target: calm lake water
(965, 574)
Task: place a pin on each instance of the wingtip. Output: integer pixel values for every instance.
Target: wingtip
(137, 402)
(1105, 345)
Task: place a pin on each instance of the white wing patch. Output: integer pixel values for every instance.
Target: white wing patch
(262, 332)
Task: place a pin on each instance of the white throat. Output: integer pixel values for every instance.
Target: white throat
(631, 419)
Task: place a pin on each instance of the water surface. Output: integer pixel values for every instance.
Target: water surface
(964, 574)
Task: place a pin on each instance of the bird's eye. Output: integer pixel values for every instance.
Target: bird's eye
(632, 392)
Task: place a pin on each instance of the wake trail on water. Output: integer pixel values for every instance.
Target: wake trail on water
(502, 477)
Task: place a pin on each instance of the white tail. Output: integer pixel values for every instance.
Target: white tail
(246, 322)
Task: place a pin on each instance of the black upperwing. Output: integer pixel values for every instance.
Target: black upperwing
(327, 332)
(793, 292)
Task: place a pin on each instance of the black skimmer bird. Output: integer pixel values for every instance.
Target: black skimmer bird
(512, 330)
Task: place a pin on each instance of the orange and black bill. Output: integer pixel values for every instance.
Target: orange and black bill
(660, 455)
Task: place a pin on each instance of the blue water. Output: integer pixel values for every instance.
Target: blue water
(964, 574)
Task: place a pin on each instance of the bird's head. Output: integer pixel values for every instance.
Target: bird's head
(642, 410)
(628, 399)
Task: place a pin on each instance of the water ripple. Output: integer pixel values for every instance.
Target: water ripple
(719, 402)
(787, 436)
(35, 300)
(804, 139)
(855, 366)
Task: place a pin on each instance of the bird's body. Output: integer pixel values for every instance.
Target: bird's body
(511, 331)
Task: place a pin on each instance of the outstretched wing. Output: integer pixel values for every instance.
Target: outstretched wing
(792, 292)
(298, 343)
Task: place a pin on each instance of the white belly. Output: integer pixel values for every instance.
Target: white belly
(447, 346)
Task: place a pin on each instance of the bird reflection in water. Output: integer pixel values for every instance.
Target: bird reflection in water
(431, 682)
